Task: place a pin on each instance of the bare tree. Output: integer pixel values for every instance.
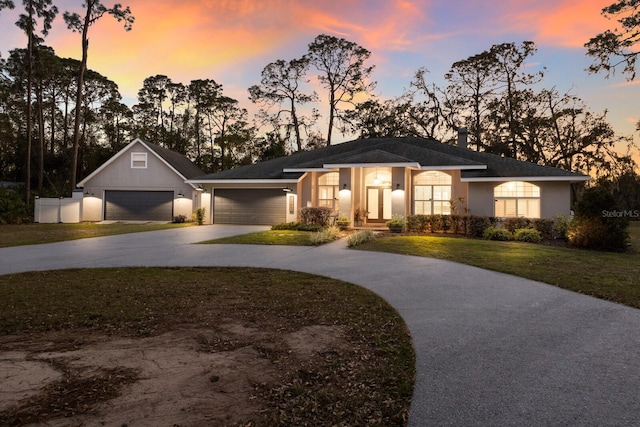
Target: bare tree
(342, 72)
(280, 86)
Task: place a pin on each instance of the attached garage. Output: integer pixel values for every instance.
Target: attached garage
(138, 205)
(249, 206)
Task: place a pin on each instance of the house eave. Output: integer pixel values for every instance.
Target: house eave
(454, 167)
(295, 170)
(333, 166)
(242, 181)
(527, 178)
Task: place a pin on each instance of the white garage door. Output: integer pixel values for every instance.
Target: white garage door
(138, 205)
(249, 206)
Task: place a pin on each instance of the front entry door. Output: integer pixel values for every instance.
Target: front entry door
(378, 204)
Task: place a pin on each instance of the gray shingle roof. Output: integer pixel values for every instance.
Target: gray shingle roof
(181, 163)
(425, 152)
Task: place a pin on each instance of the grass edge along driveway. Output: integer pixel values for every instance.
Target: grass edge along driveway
(35, 234)
(606, 275)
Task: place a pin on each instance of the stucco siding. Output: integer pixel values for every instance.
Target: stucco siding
(555, 198)
(481, 200)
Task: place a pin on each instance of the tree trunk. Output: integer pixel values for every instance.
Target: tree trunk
(296, 125)
(39, 103)
(27, 185)
(53, 123)
(332, 112)
(76, 126)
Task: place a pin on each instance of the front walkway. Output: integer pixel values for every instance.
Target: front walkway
(492, 349)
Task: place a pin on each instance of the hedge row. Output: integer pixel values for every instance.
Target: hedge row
(466, 225)
(474, 225)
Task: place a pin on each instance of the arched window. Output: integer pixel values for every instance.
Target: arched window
(328, 187)
(517, 199)
(432, 193)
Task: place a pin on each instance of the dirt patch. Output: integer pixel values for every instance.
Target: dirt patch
(185, 377)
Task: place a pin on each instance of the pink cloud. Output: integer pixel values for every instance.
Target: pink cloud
(564, 23)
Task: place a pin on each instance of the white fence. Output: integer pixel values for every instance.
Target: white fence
(57, 210)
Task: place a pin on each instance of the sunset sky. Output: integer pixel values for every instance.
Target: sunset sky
(231, 41)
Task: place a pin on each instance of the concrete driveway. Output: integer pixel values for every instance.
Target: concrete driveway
(492, 349)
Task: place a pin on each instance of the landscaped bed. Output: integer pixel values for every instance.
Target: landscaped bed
(196, 346)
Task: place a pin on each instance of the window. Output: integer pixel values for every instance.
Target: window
(138, 160)
(328, 187)
(432, 193)
(517, 199)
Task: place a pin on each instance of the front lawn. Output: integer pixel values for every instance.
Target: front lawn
(606, 275)
(33, 234)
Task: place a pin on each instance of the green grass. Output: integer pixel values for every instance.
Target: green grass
(371, 377)
(268, 237)
(606, 275)
(33, 234)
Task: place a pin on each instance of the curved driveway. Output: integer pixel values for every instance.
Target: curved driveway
(492, 349)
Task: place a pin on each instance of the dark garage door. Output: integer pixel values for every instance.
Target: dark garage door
(249, 206)
(138, 205)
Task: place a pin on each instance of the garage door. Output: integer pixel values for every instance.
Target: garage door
(138, 205)
(249, 206)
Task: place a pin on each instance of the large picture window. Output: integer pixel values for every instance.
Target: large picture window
(432, 193)
(517, 199)
(328, 187)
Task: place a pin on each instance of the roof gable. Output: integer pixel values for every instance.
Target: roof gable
(176, 162)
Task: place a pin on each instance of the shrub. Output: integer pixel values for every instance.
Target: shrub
(560, 226)
(478, 224)
(198, 215)
(592, 229)
(13, 209)
(325, 235)
(446, 223)
(459, 224)
(527, 235)
(395, 222)
(286, 226)
(436, 223)
(512, 224)
(544, 226)
(179, 219)
(343, 221)
(318, 216)
(492, 233)
(594, 233)
(360, 237)
(417, 223)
